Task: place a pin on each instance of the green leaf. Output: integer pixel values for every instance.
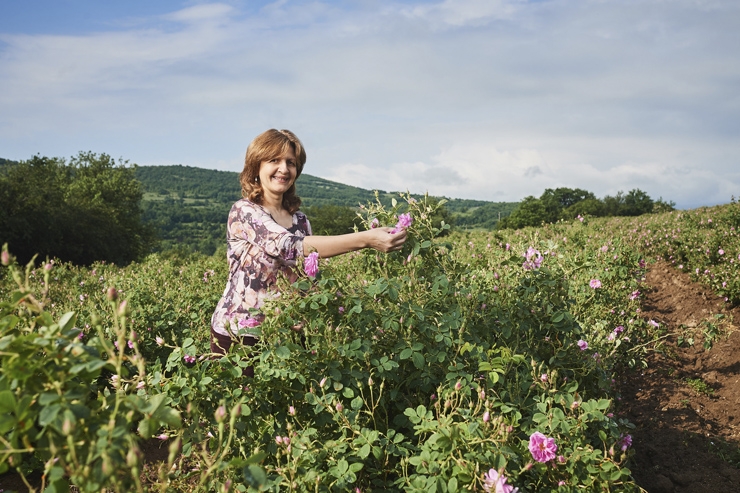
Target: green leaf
(452, 485)
(7, 401)
(168, 416)
(254, 476)
(67, 321)
(282, 352)
(48, 414)
(145, 428)
(364, 451)
(7, 423)
(45, 399)
(356, 403)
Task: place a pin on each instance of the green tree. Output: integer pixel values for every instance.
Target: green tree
(81, 211)
(661, 205)
(558, 200)
(332, 219)
(634, 203)
(591, 207)
(531, 212)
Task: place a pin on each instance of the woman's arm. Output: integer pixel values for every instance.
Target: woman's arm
(379, 238)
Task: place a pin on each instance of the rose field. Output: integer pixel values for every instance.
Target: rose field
(470, 361)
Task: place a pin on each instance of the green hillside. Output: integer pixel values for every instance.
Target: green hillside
(190, 204)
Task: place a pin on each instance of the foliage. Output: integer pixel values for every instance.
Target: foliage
(703, 242)
(81, 211)
(401, 372)
(332, 219)
(567, 204)
(72, 400)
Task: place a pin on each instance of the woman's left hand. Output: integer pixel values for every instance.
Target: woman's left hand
(382, 240)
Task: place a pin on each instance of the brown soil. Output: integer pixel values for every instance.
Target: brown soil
(686, 403)
(155, 453)
(685, 440)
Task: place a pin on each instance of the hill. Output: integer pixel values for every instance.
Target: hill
(190, 204)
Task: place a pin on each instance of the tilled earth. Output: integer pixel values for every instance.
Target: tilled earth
(686, 404)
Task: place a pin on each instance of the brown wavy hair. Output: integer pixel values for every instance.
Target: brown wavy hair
(268, 145)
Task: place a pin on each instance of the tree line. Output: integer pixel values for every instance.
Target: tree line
(569, 203)
(81, 210)
(92, 208)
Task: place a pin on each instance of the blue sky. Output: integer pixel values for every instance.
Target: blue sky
(481, 99)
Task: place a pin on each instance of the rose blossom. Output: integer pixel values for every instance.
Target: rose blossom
(541, 447)
(311, 265)
(404, 221)
(595, 283)
(495, 482)
(625, 442)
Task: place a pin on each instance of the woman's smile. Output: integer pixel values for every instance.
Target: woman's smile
(278, 174)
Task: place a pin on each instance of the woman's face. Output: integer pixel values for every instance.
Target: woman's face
(278, 174)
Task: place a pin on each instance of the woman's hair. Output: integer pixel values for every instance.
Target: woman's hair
(268, 145)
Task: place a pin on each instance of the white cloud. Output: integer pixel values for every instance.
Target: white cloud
(202, 12)
(477, 99)
(460, 13)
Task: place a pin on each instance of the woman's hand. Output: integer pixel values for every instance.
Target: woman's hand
(382, 240)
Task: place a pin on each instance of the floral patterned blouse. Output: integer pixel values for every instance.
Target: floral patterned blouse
(258, 251)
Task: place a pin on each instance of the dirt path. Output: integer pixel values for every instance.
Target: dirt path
(686, 404)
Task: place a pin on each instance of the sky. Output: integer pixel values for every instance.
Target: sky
(478, 99)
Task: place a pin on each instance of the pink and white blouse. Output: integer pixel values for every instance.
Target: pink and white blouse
(258, 251)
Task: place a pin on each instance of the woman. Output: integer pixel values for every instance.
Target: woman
(267, 235)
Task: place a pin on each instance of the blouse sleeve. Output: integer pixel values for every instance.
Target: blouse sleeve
(252, 224)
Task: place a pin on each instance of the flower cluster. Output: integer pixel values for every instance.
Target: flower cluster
(615, 333)
(533, 259)
(625, 442)
(404, 221)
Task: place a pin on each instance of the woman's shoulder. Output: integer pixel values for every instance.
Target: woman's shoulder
(246, 205)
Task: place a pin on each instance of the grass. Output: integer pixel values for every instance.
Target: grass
(700, 386)
(728, 452)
